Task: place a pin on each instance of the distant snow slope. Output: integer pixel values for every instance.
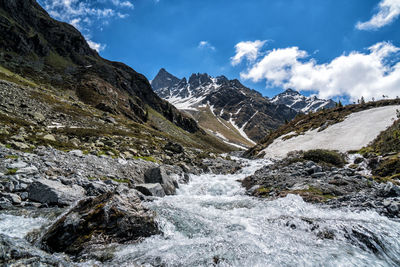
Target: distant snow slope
(355, 132)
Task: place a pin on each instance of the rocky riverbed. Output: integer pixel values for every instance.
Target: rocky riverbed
(70, 209)
(351, 186)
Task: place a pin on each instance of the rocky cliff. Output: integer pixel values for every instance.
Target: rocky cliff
(54, 53)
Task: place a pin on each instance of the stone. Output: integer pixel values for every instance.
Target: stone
(110, 120)
(127, 155)
(28, 170)
(154, 190)
(19, 145)
(13, 198)
(54, 193)
(49, 137)
(17, 165)
(76, 153)
(39, 117)
(18, 138)
(19, 252)
(318, 174)
(174, 147)
(159, 175)
(111, 217)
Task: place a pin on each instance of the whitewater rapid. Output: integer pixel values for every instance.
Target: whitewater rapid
(212, 222)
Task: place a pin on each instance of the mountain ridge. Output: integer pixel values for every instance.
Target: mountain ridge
(250, 115)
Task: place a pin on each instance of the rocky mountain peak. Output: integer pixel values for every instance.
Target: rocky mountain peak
(164, 79)
(301, 103)
(198, 79)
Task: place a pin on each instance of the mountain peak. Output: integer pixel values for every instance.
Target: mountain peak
(301, 103)
(164, 79)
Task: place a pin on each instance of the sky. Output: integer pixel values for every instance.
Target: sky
(339, 49)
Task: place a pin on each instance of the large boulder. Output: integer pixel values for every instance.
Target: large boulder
(96, 221)
(54, 193)
(163, 176)
(154, 190)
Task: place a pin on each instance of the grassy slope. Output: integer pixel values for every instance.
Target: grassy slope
(154, 133)
(207, 120)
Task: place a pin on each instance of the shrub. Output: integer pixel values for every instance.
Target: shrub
(325, 156)
(388, 167)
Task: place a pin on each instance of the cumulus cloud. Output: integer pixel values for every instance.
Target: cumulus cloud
(96, 46)
(388, 11)
(247, 50)
(372, 73)
(205, 45)
(84, 15)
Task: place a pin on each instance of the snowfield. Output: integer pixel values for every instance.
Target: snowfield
(355, 132)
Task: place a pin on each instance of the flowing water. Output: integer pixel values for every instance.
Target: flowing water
(212, 222)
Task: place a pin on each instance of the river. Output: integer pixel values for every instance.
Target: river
(211, 221)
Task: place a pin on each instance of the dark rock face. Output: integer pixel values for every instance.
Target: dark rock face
(230, 100)
(51, 52)
(300, 103)
(111, 217)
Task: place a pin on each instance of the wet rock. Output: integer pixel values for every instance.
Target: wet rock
(159, 175)
(13, 198)
(154, 190)
(54, 193)
(94, 221)
(19, 252)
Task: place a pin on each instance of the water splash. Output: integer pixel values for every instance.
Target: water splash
(211, 222)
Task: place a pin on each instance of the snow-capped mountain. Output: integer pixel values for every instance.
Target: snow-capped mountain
(234, 113)
(301, 103)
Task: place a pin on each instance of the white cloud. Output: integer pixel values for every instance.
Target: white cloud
(248, 50)
(388, 11)
(122, 3)
(96, 46)
(205, 45)
(374, 73)
(83, 14)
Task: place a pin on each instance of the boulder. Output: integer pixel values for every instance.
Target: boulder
(49, 137)
(95, 221)
(174, 147)
(19, 252)
(160, 175)
(54, 193)
(154, 190)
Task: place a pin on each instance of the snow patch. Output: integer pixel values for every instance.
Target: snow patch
(355, 132)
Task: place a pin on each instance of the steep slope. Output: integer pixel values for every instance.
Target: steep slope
(224, 107)
(342, 128)
(50, 52)
(301, 103)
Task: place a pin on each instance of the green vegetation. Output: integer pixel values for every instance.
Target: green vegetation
(149, 158)
(7, 75)
(325, 156)
(312, 194)
(12, 157)
(11, 171)
(388, 167)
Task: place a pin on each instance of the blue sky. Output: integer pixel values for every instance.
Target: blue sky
(333, 48)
